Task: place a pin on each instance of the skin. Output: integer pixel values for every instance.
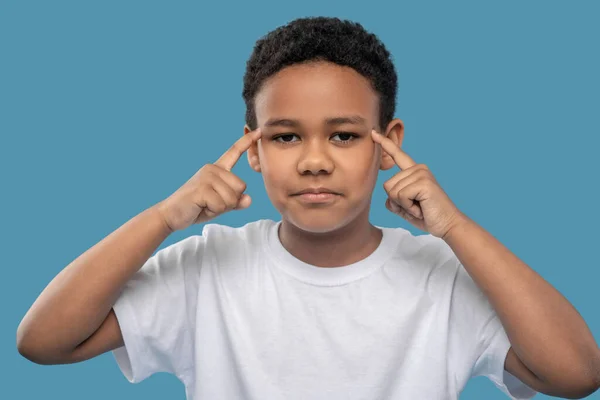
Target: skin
(553, 351)
(340, 233)
(313, 153)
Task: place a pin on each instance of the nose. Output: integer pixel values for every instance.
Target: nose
(315, 159)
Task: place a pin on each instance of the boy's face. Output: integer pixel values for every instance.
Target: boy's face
(304, 147)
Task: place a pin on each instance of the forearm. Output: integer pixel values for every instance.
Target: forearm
(78, 299)
(545, 330)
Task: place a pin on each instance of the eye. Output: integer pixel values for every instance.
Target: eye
(286, 138)
(345, 137)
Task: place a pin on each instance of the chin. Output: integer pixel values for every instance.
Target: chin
(317, 222)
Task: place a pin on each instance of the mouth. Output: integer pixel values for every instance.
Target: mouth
(319, 195)
(316, 191)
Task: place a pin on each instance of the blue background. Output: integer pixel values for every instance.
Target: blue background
(108, 107)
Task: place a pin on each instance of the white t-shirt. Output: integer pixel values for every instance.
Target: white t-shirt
(234, 315)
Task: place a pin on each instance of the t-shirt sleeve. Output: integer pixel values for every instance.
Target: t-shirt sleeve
(156, 312)
(480, 333)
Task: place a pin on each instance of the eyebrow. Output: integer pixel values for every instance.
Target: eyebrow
(351, 119)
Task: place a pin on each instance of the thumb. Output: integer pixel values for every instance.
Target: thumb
(244, 202)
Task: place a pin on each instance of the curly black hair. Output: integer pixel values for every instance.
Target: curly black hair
(313, 39)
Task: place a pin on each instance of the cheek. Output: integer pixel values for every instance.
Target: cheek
(366, 169)
(274, 168)
(365, 161)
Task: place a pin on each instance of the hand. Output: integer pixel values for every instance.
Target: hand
(213, 190)
(415, 195)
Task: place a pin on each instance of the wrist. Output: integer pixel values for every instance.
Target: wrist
(459, 222)
(158, 214)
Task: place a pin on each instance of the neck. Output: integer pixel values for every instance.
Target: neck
(344, 246)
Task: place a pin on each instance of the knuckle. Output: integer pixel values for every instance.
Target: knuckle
(199, 196)
(237, 184)
(203, 190)
(213, 168)
(208, 167)
(207, 171)
(232, 202)
(229, 205)
(219, 206)
(230, 199)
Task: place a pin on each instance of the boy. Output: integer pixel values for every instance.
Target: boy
(322, 304)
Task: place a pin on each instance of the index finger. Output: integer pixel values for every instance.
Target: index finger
(400, 157)
(231, 156)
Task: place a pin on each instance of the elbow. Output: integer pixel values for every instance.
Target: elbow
(41, 357)
(579, 390)
(27, 349)
(589, 385)
(34, 350)
(582, 391)
(23, 346)
(32, 355)
(595, 381)
(580, 383)
(596, 374)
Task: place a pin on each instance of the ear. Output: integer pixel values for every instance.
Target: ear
(252, 152)
(394, 131)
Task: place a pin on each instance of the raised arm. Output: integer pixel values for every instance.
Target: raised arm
(79, 299)
(72, 319)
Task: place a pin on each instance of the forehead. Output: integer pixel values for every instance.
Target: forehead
(316, 91)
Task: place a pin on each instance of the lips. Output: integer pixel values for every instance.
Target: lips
(319, 190)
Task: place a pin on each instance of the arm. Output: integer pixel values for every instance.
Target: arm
(78, 301)
(72, 320)
(553, 350)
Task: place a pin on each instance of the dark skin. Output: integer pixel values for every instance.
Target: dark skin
(307, 104)
(552, 349)
(340, 155)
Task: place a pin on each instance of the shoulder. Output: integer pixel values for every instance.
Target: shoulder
(228, 243)
(183, 253)
(250, 233)
(425, 260)
(232, 253)
(421, 250)
(215, 240)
